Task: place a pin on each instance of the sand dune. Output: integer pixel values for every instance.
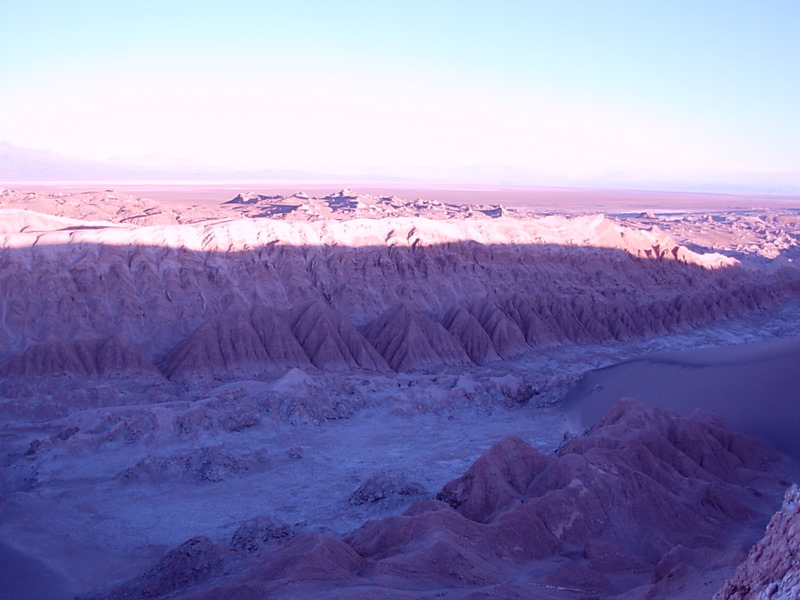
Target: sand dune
(754, 387)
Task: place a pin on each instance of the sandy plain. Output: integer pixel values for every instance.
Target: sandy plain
(541, 199)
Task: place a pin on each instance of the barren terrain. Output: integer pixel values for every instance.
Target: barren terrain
(209, 393)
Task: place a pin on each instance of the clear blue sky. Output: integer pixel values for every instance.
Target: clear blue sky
(575, 88)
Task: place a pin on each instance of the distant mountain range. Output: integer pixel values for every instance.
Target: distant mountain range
(19, 164)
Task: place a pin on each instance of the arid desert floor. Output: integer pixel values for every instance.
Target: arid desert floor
(286, 391)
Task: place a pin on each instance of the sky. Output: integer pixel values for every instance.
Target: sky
(574, 89)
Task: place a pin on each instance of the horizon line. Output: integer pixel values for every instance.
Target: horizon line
(348, 182)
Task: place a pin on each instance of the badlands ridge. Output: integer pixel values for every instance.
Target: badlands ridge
(359, 396)
(339, 282)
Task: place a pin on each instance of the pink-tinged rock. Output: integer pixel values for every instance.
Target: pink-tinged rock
(430, 543)
(471, 335)
(772, 569)
(638, 506)
(90, 358)
(311, 556)
(303, 565)
(237, 344)
(624, 494)
(191, 563)
(409, 340)
(153, 286)
(280, 345)
(507, 337)
(330, 341)
(497, 478)
(663, 496)
(533, 318)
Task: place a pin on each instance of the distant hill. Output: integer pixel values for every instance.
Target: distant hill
(19, 164)
(711, 181)
(26, 164)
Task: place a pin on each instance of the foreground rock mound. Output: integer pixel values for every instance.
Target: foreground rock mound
(772, 570)
(469, 333)
(201, 465)
(646, 504)
(194, 561)
(385, 485)
(256, 533)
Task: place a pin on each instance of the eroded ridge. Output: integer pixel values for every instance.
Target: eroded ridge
(412, 287)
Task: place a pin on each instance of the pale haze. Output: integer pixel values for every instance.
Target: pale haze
(563, 91)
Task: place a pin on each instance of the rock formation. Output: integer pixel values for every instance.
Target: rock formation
(629, 507)
(471, 335)
(193, 562)
(214, 297)
(772, 569)
(332, 342)
(198, 465)
(284, 377)
(91, 358)
(408, 339)
(237, 344)
(523, 277)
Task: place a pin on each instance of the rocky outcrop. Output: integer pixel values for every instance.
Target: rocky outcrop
(385, 485)
(407, 339)
(506, 336)
(264, 342)
(641, 483)
(497, 478)
(90, 358)
(772, 570)
(237, 344)
(256, 533)
(468, 331)
(553, 278)
(193, 562)
(200, 465)
(330, 341)
(640, 504)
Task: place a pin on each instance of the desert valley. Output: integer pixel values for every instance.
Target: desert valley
(209, 393)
